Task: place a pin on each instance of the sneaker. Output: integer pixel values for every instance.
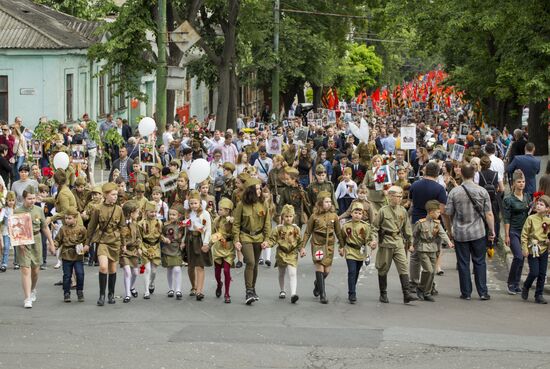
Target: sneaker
(256, 297)
(239, 264)
(3, 268)
(485, 297)
(27, 304)
(80, 296)
(282, 295)
(249, 299)
(540, 300)
(517, 289)
(261, 262)
(16, 267)
(33, 295)
(67, 297)
(58, 265)
(511, 290)
(43, 266)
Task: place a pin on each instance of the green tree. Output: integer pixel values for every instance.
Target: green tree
(85, 9)
(359, 69)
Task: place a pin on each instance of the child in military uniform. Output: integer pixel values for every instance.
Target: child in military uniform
(161, 206)
(171, 246)
(223, 250)
(228, 180)
(287, 237)
(207, 198)
(129, 260)
(150, 229)
(428, 234)
(322, 227)
(368, 210)
(355, 234)
(265, 257)
(137, 176)
(70, 240)
(81, 194)
(392, 233)
(403, 182)
(140, 198)
(534, 245)
(179, 194)
(154, 179)
(319, 185)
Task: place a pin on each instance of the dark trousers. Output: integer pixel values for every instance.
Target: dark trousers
(514, 277)
(354, 267)
(476, 251)
(344, 203)
(44, 248)
(251, 253)
(537, 270)
(68, 267)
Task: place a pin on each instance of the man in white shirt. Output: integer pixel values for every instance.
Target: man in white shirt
(168, 136)
(497, 164)
(229, 150)
(240, 123)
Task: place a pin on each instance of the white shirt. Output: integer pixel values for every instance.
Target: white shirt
(497, 165)
(167, 138)
(346, 188)
(263, 167)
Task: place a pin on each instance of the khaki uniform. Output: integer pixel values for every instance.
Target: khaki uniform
(533, 230)
(150, 230)
(376, 197)
(323, 227)
(368, 211)
(356, 235)
(405, 185)
(133, 244)
(67, 239)
(274, 181)
(250, 149)
(366, 152)
(90, 208)
(63, 200)
(152, 182)
(295, 196)
(289, 242)
(223, 249)
(315, 188)
(237, 196)
(428, 235)
(136, 178)
(31, 255)
(392, 230)
(81, 198)
(106, 231)
(290, 154)
(177, 196)
(210, 205)
(171, 255)
(227, 189)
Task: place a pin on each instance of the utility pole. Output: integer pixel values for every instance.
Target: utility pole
(162, 69)
(275, 108)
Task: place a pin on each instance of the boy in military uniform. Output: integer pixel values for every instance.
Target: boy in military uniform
(293, 194)
(368, 210)
(154, 178)
(287, 237)
(95, 200)
(140, 197)
(319, 185)
(228, 180)
(29, 257)
(171, 246)
(356, 235)
(179, 194)
(403, 182)
(223, 250)
(392, 233)
(428, 235)
(129, 259)
(150, 228)
(70, 240)
(81, 194)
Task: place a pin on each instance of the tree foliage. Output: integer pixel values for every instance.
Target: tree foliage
(85, 9)
(359, 69)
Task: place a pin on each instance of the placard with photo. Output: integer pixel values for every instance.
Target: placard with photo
(301, 134)
(458, 152)
(78, 153)
(275, 145)
(20, 229)
(36, 149)
(331, 116)
(168, 183)
(147, 155)
(464, 130)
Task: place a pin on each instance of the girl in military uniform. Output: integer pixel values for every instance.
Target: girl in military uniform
(318, 185)
(235, 199)
(154, 180)
(104, 229)
(96, 198)
(322, 227)
(265, 257)
(368, 211)
(7, 212)
(356, 235)
(223, 249)
(172, 244)
(150, 229)
(197, 241)
(207, 198)
(180, 193)
(376, 196)
(288, 239)
(251, 228)
(129, 260)
(137, 176)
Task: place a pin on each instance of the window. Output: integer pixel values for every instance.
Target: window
(101, 88)
(69, 97)
(4, 98)
(112, 107)
(122, 101)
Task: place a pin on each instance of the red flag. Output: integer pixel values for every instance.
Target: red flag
(376, 95)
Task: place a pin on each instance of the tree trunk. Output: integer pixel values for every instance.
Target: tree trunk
(301, 94)
(233, 99)
(317, 96)
(538, 129)
(224, 88)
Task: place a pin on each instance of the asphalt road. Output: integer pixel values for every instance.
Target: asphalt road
(165, 333)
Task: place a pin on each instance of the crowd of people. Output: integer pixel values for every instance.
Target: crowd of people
(325, 187)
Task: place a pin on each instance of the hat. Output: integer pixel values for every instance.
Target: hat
(108, 187)
(432, 205)
(324, 194)
(288, 210)
(291, 171)
(179, 208)
(229, 166)
(156, 189)
(140, 187)
(320, 169)
(545, 199)
(206, 182)
(72, 212)
(194, 195)
(175, 162)
(80, 181)
(136, 161)
(225, 203)
(357, 206)
(96, 189)
(158, 166)
(395, 190)
(243, 177)
(150, 206)
(252, 182)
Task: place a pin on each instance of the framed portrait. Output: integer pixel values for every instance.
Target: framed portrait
(169, 183)
(463, 130)
(291, 114)
(20, 229)
(384, 170)
(301, 134)
(275, 145)
(458, 152)
(408, 137)
(261, 126)
(331, 116)
(36, 149)
(310, 115)
(77, 153)
(147, 155)
(318, 122)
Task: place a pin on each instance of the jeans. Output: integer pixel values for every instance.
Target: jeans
(19, 160)
(304, 181)
(476, 251)
(354, 267)
(68, 267)
(44, 247)
(516, 268)
(537, 270)
(6, 253)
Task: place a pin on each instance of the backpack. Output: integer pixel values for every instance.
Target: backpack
(489, 186)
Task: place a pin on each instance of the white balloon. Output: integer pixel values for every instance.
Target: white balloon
(147, 126)
(199, 170)
(61, 160)
(364, 130)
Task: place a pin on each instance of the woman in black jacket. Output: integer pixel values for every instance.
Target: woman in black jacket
(5, 166)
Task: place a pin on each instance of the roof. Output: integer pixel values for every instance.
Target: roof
(26, 25)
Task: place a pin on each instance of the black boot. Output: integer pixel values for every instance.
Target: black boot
(315, 288)
(407, 297)
(80, 295)
(111, 295)
(102, 285)
(383, 285)
(321, 287)
(249, 299)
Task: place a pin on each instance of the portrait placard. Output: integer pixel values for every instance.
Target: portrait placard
(275, 145)
(77, 153)
(458, 152)
(168, 183)
(36, 149)
(408, 137)
(20, 229)
(147, 155)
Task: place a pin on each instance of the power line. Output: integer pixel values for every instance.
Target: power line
(379, 40)
(326, 14)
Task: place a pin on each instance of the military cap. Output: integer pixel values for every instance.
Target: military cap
(395, 190)
(175, 162)
(129, 207)
(324, 194)
(150, 206)
(288, 210)
(545, 199)
(179, 208)
(320, 169)
(140, 187)
(252, 182)
(243, 177)
(156, 189)
(96, 189)
(225, 203)
(194, 195)
(229, 166)
(108, 187)
(432, 205)
(72, 212)
(158, 166)
(357, 206)
(80, 181)
(291, 171)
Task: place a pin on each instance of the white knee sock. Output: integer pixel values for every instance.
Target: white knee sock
(147, 277)
(169, 277)
(127, 279)
(293, 279)
(267, 254)
(282, 271)
(177, 277)
(135, 272)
